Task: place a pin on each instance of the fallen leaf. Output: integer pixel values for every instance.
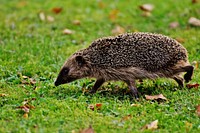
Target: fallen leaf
(194, 1)
(32, 81)
(180, 40)
(194, 21)
(155, 97)
(29, 81)
(125, 118)
(101, 5)
(21, 4)
(98, 106)
(146, 14)
(25, 102)
(190, 86)
(113, 14)
(188, 126)
(76, 22)
(50, 19)
(25, 77)
(57, 10)
(146, 7)
(3, 95)
(195, 64)
(135, 105)
(88, 130)
(25, 115)
(67, 31)
(24, 108)
(91, 107)
(198, 110)
(42, 16)
(118, 30)
(153, 125)
(174, 25)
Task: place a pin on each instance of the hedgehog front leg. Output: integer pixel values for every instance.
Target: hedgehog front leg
(97, 84)
(179, 80)
(132, 87)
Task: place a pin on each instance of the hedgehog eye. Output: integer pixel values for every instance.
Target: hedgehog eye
(65, 71)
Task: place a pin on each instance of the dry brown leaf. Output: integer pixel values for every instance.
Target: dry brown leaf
(194, 1)
(146, 7)
(180, 40)
(42, 16)
(125, 118)
(88, 130)
(3, 95)
(76, 22)
(113, 14)
(24, 108)
(29, 81)
(194, 21)
(153, 125)
(155, 97)
(32, 81)
(50, 19)
(174, 25)
(91, 107)
(57, 10)
(198, 110)
(118, 30)
(190, 86)
(67, 31)
(98, 106)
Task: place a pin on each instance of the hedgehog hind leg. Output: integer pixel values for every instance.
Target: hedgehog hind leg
(97, 84)
(132, 87)
(189, 73)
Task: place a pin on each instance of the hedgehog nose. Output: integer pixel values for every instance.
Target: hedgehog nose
(56, 83)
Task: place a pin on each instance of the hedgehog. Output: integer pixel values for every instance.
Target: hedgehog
(128, 57)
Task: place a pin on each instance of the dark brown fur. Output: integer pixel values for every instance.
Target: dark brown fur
(128, 57)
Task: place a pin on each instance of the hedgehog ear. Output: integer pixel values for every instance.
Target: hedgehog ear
(80, 60)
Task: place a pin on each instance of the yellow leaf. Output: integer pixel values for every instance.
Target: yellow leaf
(25, 115)
(113, 14)
(3, 95)
(42, 16)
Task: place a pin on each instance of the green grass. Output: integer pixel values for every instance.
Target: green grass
(35, 48)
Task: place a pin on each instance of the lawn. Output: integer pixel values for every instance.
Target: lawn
(33, 48)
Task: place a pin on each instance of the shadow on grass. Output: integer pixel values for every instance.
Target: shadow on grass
(112, 91)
